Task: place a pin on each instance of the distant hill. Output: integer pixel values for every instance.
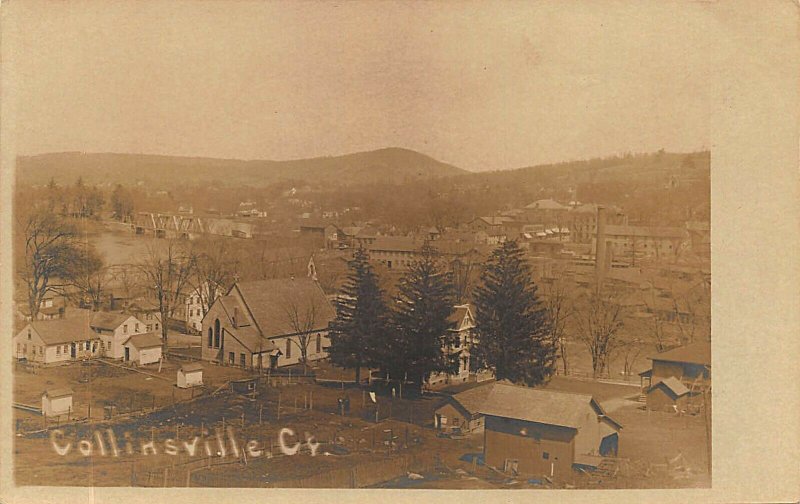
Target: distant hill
(390, 165)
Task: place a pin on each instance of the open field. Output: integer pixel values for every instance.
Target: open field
(358, 449)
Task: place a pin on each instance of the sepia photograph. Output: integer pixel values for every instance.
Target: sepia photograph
(361, 245)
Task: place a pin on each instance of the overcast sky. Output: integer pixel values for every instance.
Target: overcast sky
(480, 85)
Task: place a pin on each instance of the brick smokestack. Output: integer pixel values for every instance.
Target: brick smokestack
(600, 263)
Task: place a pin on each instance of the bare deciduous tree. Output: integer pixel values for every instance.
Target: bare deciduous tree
(128, 278)
(215, 269)
(560, 309)
(50, 254)
(464, 271)
(302, 316)
(89, 278)
(599, 322)
(166, 271)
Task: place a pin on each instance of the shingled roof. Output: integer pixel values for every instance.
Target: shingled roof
(693, 353)
(272, 302)
(66, 330)
(458, 314)
(564, 409)
(472, 400)
(144, 340)
(107, 320)
(673, 384)
(547, 204)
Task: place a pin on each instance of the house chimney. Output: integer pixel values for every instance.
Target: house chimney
(600, 245)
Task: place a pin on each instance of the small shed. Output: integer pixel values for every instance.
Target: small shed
(143, 348)
(245, 386)
(668, 394)
(57, 401)
(190, 375)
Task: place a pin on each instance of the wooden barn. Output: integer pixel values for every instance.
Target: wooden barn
(668, 394)
(460, 413)
(540, 432)
(690, 364)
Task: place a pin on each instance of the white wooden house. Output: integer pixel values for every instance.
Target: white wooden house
(56, 341)
(114, 329)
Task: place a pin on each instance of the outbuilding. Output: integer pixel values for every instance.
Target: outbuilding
(460, 413)
(143, 348)
(690, 364)
(541, 432)
(57, 401)
(668, 394)
(190, 375)
(244, 386)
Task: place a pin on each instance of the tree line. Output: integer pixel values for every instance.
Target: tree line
(410, 337)
(520, 333)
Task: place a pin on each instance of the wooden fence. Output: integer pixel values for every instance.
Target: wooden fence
(360, 475)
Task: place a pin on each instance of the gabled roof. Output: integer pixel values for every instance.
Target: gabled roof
(55, 393)
(547, 204)
(144, 340)
(350, 230)
(673, 384)
(66, 330)
(191, 367)
(694, 353)
(233, 306)
(459, 313)
(562, 409)
(472, 400)
(108, 320)
(274, 303)
(495, 220)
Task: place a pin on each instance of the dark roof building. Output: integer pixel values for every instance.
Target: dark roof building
(543, 432)
(690, 364)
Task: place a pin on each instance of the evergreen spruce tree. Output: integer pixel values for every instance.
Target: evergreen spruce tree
(511, 323)
(358, 333)
(420, 322)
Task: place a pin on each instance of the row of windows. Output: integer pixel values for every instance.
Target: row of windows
(23, 348)
(216, 339)
(135, 329)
